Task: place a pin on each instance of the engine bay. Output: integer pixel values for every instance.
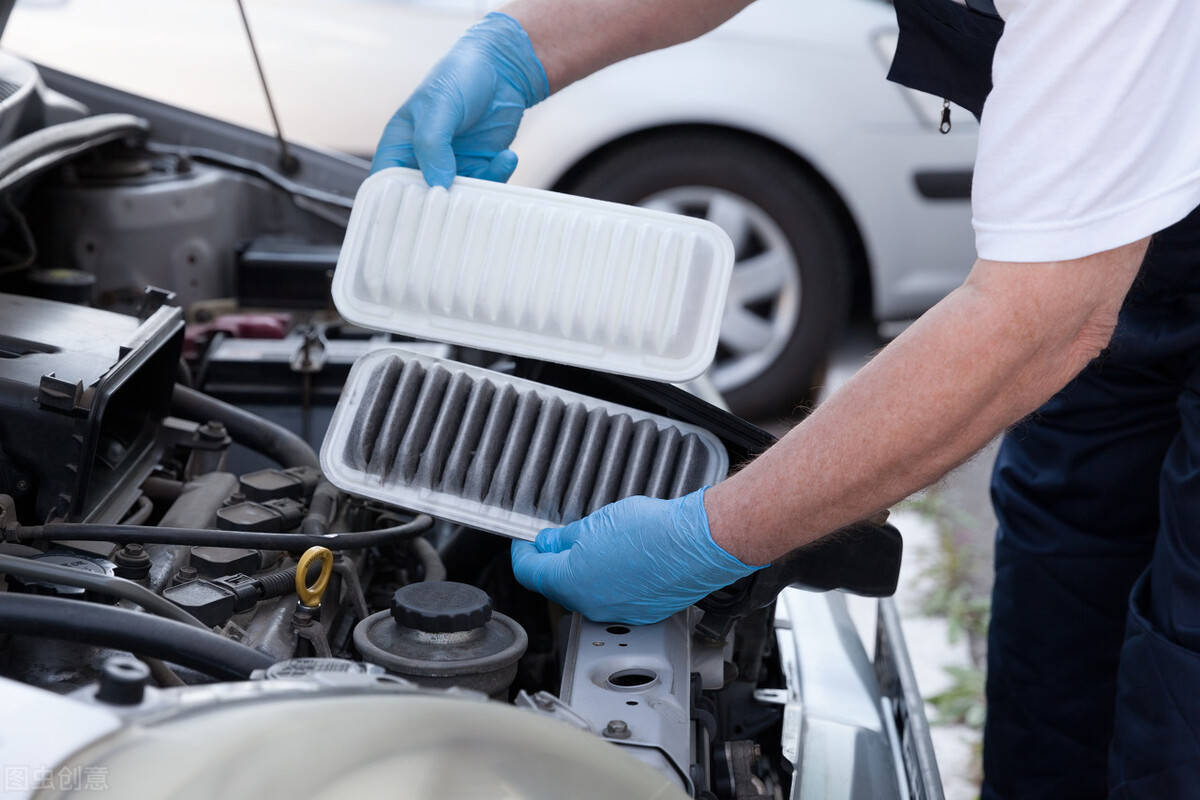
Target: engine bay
(181, 581)
(141, 493)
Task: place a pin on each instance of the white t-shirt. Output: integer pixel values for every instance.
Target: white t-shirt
(1090, 138)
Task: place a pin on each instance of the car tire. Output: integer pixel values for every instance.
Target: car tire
(783, 209)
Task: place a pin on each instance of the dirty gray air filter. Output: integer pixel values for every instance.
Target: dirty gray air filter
(500, 453)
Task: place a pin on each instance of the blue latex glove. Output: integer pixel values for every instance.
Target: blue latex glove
(464, 115)
(636, 561)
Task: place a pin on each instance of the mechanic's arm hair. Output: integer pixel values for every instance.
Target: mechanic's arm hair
(574, 38)
(990, 353)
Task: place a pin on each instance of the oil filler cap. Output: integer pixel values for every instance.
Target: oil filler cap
(441, 606)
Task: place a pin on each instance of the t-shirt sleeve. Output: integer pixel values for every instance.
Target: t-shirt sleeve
(1090, 138)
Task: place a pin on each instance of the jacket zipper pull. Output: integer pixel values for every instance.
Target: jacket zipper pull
(945, 126)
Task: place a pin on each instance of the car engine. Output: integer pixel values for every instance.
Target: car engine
(189, 607)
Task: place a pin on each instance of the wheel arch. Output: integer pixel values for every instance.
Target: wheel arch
(861, 291)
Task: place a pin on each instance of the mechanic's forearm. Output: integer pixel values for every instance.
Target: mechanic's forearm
(574, 38)
(990, 353)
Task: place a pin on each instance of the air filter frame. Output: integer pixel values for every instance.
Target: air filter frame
(497, 497)
(535, 273)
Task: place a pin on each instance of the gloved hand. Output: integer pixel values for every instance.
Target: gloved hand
(465, 114)
(636, 561)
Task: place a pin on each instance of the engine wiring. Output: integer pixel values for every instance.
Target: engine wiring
(108, 585)
(149, 534)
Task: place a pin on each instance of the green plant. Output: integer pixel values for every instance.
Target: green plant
(951, 594)
(965, 613)
(962, 703)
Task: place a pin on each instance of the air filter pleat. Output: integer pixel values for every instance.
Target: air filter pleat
(562, 461)
(360, 444)
(396, 419)
(591, 447)
(539, 456)
(662, 470)
(516, 450)
(491, 440)
(641, 455)
(612, 462)
(420, 426)
(445, 428)
(474, 416)
(689, 469)
(373, 257)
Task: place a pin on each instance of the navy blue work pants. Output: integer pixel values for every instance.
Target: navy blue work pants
(1094, 646)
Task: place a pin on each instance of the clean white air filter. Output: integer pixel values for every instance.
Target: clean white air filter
(535, 273)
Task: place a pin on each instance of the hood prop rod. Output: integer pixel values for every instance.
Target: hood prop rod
(288, 164)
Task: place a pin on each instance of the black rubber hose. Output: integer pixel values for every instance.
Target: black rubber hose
(321, 508)
(102, 584)
(151, 534)
(122, 629)
(431, 563)
(279, 582)
(245, 428)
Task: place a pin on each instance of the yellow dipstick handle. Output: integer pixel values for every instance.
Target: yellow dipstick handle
(311, 595)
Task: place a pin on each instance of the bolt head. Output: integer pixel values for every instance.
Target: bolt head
(212, 430)
(132, 561)
(616, 729)
(186, 573)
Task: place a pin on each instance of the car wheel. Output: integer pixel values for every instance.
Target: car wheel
(790, 291)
